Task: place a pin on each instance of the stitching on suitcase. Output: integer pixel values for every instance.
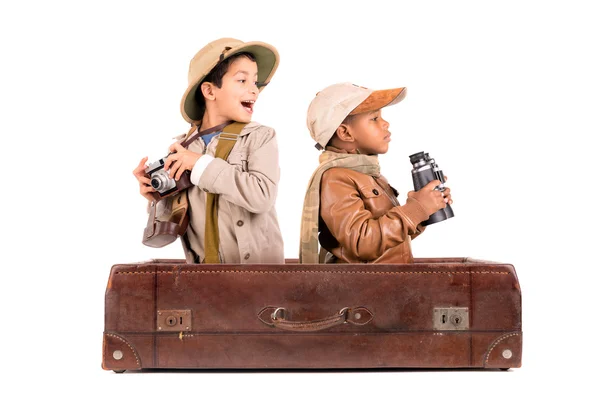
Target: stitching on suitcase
(496, 343)
(137, 360)
(182, 335)
(312, 272)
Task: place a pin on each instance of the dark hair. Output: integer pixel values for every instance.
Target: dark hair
(347, 121)
(215, 76)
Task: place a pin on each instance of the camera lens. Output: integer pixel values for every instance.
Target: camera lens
(161, 182)
(156, 183)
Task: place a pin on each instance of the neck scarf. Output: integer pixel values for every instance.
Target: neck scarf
(309, 227)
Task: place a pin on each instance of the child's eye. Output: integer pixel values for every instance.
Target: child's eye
(374, 119)
(242, 80)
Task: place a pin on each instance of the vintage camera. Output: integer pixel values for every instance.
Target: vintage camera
(160, 181)
(424, 171)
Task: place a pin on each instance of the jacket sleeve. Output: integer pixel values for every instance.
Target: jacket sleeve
(356, 229)
(255, 189)
(420, 229)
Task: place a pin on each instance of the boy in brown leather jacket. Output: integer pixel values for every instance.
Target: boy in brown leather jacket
(349, 204)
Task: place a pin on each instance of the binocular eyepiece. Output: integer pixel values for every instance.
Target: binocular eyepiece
(424, 171)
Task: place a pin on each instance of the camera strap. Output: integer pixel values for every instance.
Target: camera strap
(227, 140)
(173, 219)
(208, 131)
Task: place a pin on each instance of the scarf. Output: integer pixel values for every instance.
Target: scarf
(309, 227)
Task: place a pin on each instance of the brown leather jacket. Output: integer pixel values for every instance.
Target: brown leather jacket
(362, 220)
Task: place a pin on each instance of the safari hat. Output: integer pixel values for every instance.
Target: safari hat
(333, 104)
(267, 60)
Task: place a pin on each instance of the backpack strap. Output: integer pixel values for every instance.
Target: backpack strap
(227, 140)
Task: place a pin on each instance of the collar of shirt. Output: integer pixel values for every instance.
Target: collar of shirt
(206, 138)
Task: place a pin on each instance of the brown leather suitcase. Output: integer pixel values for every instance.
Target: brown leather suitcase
(435, 313)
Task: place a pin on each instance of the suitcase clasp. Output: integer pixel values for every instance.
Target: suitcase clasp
(174, 320)
(451, 318)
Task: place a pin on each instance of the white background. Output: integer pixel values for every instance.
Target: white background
(503, 94)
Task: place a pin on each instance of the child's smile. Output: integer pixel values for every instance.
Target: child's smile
(248, 105)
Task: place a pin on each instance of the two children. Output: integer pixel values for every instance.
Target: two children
(349, 207)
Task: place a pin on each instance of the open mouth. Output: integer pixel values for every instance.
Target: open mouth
(248, 105)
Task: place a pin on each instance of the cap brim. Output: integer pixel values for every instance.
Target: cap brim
(379, 99)
(267, 60)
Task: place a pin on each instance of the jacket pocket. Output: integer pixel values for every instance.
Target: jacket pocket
(375, 200)
(370, 192)
(239, 159)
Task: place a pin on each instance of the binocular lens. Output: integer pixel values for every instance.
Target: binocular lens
(415, 158)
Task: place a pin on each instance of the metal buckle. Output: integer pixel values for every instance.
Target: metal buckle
(344, 312)
(274, 314)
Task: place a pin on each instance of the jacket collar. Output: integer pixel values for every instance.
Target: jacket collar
(337, 150)
(250, 127)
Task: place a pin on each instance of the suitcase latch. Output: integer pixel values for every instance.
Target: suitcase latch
(174, 320)
(450, 318)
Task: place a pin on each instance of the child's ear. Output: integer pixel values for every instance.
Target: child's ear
(343, 133)
(208, 90)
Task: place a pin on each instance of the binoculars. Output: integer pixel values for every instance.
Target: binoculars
(424, 171)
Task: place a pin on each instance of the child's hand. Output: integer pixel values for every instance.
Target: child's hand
(447, 196)
(139, 172)
(446, 192)
(181, 160)
(432, 200)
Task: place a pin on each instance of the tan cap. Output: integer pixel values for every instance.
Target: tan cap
(333, 104)
(267, 59)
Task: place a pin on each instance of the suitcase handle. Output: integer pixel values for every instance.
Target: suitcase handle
(277, 317)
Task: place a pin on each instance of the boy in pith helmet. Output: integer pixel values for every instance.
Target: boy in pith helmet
(224, 81)
(349, 207)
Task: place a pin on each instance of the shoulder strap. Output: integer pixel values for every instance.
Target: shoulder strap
(195, 136)
(227, 139)
(226, 142)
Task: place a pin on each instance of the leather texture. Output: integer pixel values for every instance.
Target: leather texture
(305, 316)
(276, 317)
(166, 228)
(362, 220)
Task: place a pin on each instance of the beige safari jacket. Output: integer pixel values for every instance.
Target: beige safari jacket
(247, 187)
